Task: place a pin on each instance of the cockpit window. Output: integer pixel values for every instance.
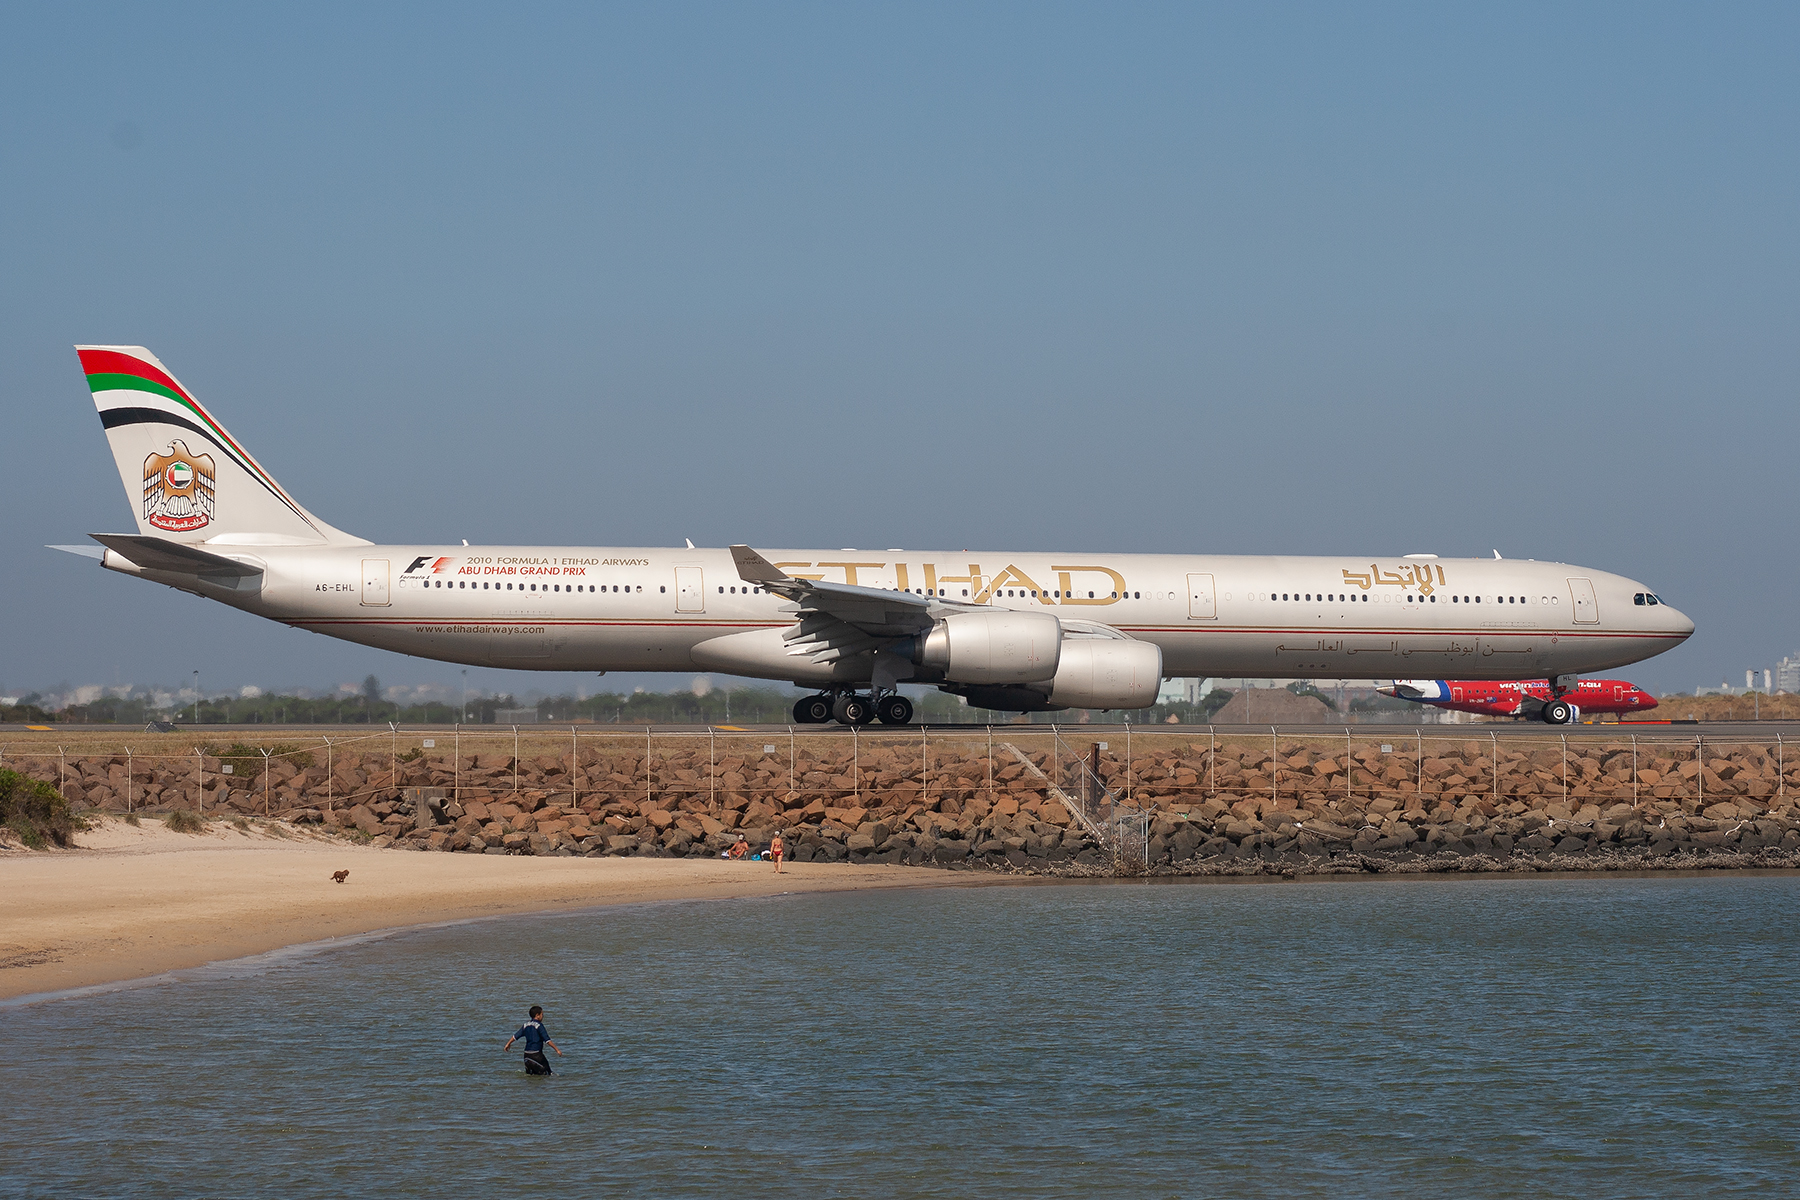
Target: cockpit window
(1653, 599)
(1637, 598)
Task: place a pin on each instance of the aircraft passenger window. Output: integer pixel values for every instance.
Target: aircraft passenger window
(1137, 595)
(662, 589)
(1090, 595)
(1434, 599)
(965, 591)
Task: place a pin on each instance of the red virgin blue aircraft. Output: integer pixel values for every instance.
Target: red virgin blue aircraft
(1526, 698)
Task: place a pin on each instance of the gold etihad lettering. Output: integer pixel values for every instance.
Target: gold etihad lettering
(850, 568)
(1010, 574)
(1409, 576)
(1111, 596)
(981, 588)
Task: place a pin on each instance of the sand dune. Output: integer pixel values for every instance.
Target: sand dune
(136, 901)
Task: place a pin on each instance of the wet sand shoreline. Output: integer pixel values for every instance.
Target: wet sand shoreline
(134, 902)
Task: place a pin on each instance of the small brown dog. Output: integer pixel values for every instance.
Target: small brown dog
(339, 876)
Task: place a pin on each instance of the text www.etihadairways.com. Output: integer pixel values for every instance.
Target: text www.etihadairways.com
(507, 629)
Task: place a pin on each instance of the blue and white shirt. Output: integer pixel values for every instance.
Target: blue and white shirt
(534, 1035)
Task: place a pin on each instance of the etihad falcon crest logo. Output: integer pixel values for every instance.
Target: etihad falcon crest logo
(178, 489)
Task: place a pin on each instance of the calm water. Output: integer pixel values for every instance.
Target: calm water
(1497, 1038)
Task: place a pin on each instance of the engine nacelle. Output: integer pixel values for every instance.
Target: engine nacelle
(1090, 673)
(1106, 673)
(992, 648)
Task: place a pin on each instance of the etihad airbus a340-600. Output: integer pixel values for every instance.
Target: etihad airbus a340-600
(1016, 631)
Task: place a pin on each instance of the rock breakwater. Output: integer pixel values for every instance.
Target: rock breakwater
(1175, 804)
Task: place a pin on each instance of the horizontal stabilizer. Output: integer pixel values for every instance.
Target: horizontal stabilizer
(160, 554)
(95, 552)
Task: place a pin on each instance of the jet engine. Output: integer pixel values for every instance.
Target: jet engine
(991, 648)
(1091, 673)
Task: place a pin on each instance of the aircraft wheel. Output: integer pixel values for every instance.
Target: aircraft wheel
(852, 710)
(896, 710)
(1558, 712)
(812, 710)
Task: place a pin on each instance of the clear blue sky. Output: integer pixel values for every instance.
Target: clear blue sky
(1276, 278)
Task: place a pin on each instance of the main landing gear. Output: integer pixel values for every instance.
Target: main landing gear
(1558, 712)
(849, 708)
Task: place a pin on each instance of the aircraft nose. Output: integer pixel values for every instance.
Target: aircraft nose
(1679, 621)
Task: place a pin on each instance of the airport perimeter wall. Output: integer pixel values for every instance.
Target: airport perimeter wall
(1013, 797)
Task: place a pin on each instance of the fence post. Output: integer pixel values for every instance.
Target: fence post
(200, 792)
(1494, 760)
(266, 761)
(393, 761)
(1419, 765)
(1274, 766)
(712, 786)
(515, 759)
(455, 764)
(128, 774)
(990, 769)
(1780, 767)
(1129, 780)
(791, 780)
(647, 752)
(924, 765)
(1346, 764)
(1634, 771)
(855, 763)
(62, 771)
(574, 765)
(1700, 772)
(1565, 744)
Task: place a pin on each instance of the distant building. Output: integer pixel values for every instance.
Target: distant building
(1787, 674)
(515, 716)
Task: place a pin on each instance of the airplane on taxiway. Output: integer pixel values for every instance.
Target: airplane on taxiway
(1015, 631)
(1525, 698)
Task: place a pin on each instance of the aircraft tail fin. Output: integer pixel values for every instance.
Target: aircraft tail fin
(187, 478)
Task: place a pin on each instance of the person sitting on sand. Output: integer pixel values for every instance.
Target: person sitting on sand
(740, 848)
(535, 1036)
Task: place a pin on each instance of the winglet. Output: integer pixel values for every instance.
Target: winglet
(754, 568)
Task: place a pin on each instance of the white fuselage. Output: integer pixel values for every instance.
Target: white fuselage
(643, 609)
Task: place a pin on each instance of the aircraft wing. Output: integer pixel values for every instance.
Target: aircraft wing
(839, 620)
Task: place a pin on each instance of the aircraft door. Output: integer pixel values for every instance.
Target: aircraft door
(1587, 609)
(690, 589)
(1202, 605)
(375, 582)
(1456, 694)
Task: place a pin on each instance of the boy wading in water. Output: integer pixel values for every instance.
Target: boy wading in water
(536, 1037)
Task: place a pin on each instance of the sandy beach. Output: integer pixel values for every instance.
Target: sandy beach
(137, 901)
